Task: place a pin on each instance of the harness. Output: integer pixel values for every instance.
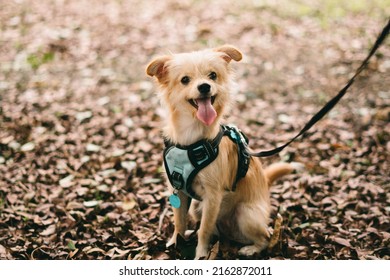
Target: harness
(183, 163)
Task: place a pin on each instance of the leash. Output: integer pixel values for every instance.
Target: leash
(331, 103)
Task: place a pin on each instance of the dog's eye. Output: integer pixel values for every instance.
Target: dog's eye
(213, 76)
(185, 80)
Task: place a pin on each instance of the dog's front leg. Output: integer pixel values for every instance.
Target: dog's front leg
(180, 218)
(210, 211)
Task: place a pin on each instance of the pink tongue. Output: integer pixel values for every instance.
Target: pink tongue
(206, 112)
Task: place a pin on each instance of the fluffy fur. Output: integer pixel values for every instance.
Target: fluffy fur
(242, 215)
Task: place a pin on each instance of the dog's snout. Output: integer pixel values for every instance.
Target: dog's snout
(204, 88)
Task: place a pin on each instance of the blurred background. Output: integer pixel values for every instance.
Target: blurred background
(80, 142)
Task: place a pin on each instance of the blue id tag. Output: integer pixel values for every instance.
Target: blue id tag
(174, 200)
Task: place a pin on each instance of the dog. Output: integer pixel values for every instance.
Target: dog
(195, 90)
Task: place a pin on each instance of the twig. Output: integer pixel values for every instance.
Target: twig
(276, 234)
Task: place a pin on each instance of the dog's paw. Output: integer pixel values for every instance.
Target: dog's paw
(298, 167)
(251, 250)
(201, 253)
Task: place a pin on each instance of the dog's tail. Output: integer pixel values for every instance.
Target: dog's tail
(277, 170)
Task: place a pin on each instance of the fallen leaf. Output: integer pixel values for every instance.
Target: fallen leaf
(91, 203)
(81, 116)
(93, 148)
(67, 181)
(49, 230)
(342, 241)
(129, 165)
(28, 147)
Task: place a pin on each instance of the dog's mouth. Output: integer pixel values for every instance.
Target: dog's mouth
(195, 102)
(205, 109)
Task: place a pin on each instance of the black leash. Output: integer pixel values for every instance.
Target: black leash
(329, 106)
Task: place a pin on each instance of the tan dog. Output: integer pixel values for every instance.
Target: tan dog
(195, 90)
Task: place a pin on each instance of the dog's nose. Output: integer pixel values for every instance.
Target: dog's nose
(204, 88)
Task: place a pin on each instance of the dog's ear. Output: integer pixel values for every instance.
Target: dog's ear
(157, 67)
(230, 52)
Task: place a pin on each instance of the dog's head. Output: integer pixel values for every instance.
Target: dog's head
(197, 82)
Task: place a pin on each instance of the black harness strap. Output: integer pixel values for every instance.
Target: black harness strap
(329, 106)
(243, 157)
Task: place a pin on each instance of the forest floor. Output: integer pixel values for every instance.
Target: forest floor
(80, 124)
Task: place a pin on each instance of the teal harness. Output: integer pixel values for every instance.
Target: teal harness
(183, 163)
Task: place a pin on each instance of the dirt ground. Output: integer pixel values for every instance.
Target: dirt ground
(80, 142)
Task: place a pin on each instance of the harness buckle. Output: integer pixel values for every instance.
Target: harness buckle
(177, 180)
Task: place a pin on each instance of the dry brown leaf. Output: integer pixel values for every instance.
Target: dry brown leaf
(49, 230)
(342, 241)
